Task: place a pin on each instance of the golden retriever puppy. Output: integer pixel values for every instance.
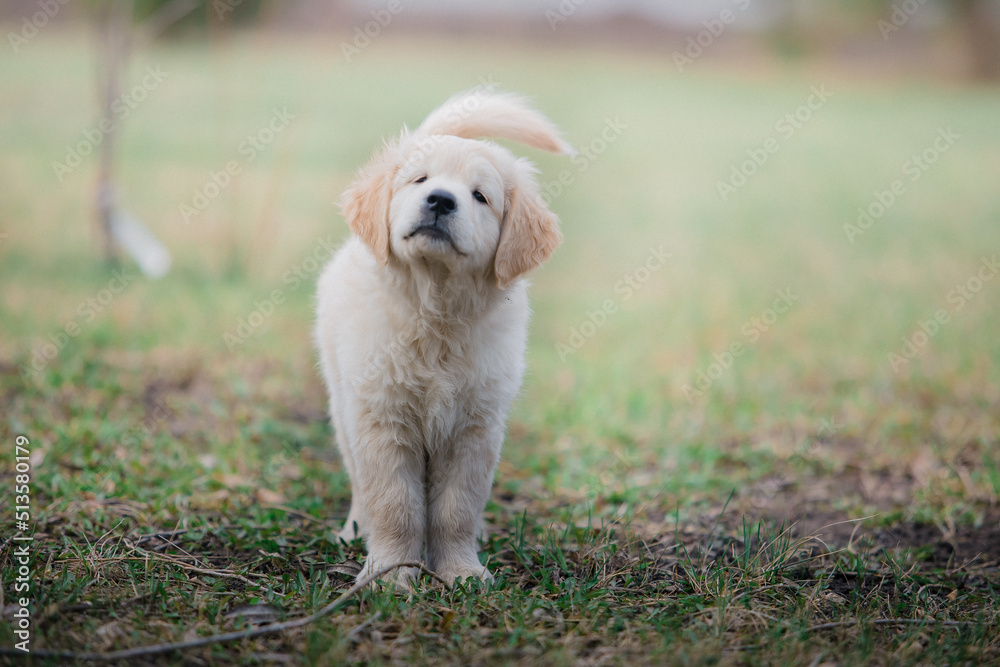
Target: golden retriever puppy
(422, 323)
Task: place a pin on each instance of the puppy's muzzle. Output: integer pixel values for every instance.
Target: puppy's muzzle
(438, 207)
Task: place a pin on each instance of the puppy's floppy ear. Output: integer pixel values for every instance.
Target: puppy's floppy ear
(530, 231)
(365, 203)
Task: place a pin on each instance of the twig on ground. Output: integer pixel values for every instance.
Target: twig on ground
(157, 649)
(140, 539)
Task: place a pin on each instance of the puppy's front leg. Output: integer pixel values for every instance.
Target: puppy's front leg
(392, 479)
(459, 481)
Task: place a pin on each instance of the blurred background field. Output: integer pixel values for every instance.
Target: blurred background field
(155, 406)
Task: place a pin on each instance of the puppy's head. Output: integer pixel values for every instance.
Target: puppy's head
(439, 196)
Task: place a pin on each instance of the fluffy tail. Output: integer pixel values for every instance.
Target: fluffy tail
(477, 113)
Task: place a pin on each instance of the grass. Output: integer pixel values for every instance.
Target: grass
(810, 505)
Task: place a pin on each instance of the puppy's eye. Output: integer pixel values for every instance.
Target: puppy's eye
(421, 179)
(479, 197)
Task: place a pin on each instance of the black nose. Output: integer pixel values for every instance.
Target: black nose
(441, 202)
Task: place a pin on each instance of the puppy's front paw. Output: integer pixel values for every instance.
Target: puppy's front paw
(401, 577)
(348, 535)
(350, 532)
(469, 571)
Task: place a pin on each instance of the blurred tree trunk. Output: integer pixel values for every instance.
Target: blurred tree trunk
(115, 26)
(982, 30)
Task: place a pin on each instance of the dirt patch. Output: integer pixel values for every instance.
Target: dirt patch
(955, 548)
(960, 547)
(845, 583)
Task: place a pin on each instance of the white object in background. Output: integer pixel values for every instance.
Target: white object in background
(148, 251)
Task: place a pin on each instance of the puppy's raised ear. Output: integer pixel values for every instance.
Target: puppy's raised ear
(365, 203)
(530, 231)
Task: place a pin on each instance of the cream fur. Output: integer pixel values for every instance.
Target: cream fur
(421, 333)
